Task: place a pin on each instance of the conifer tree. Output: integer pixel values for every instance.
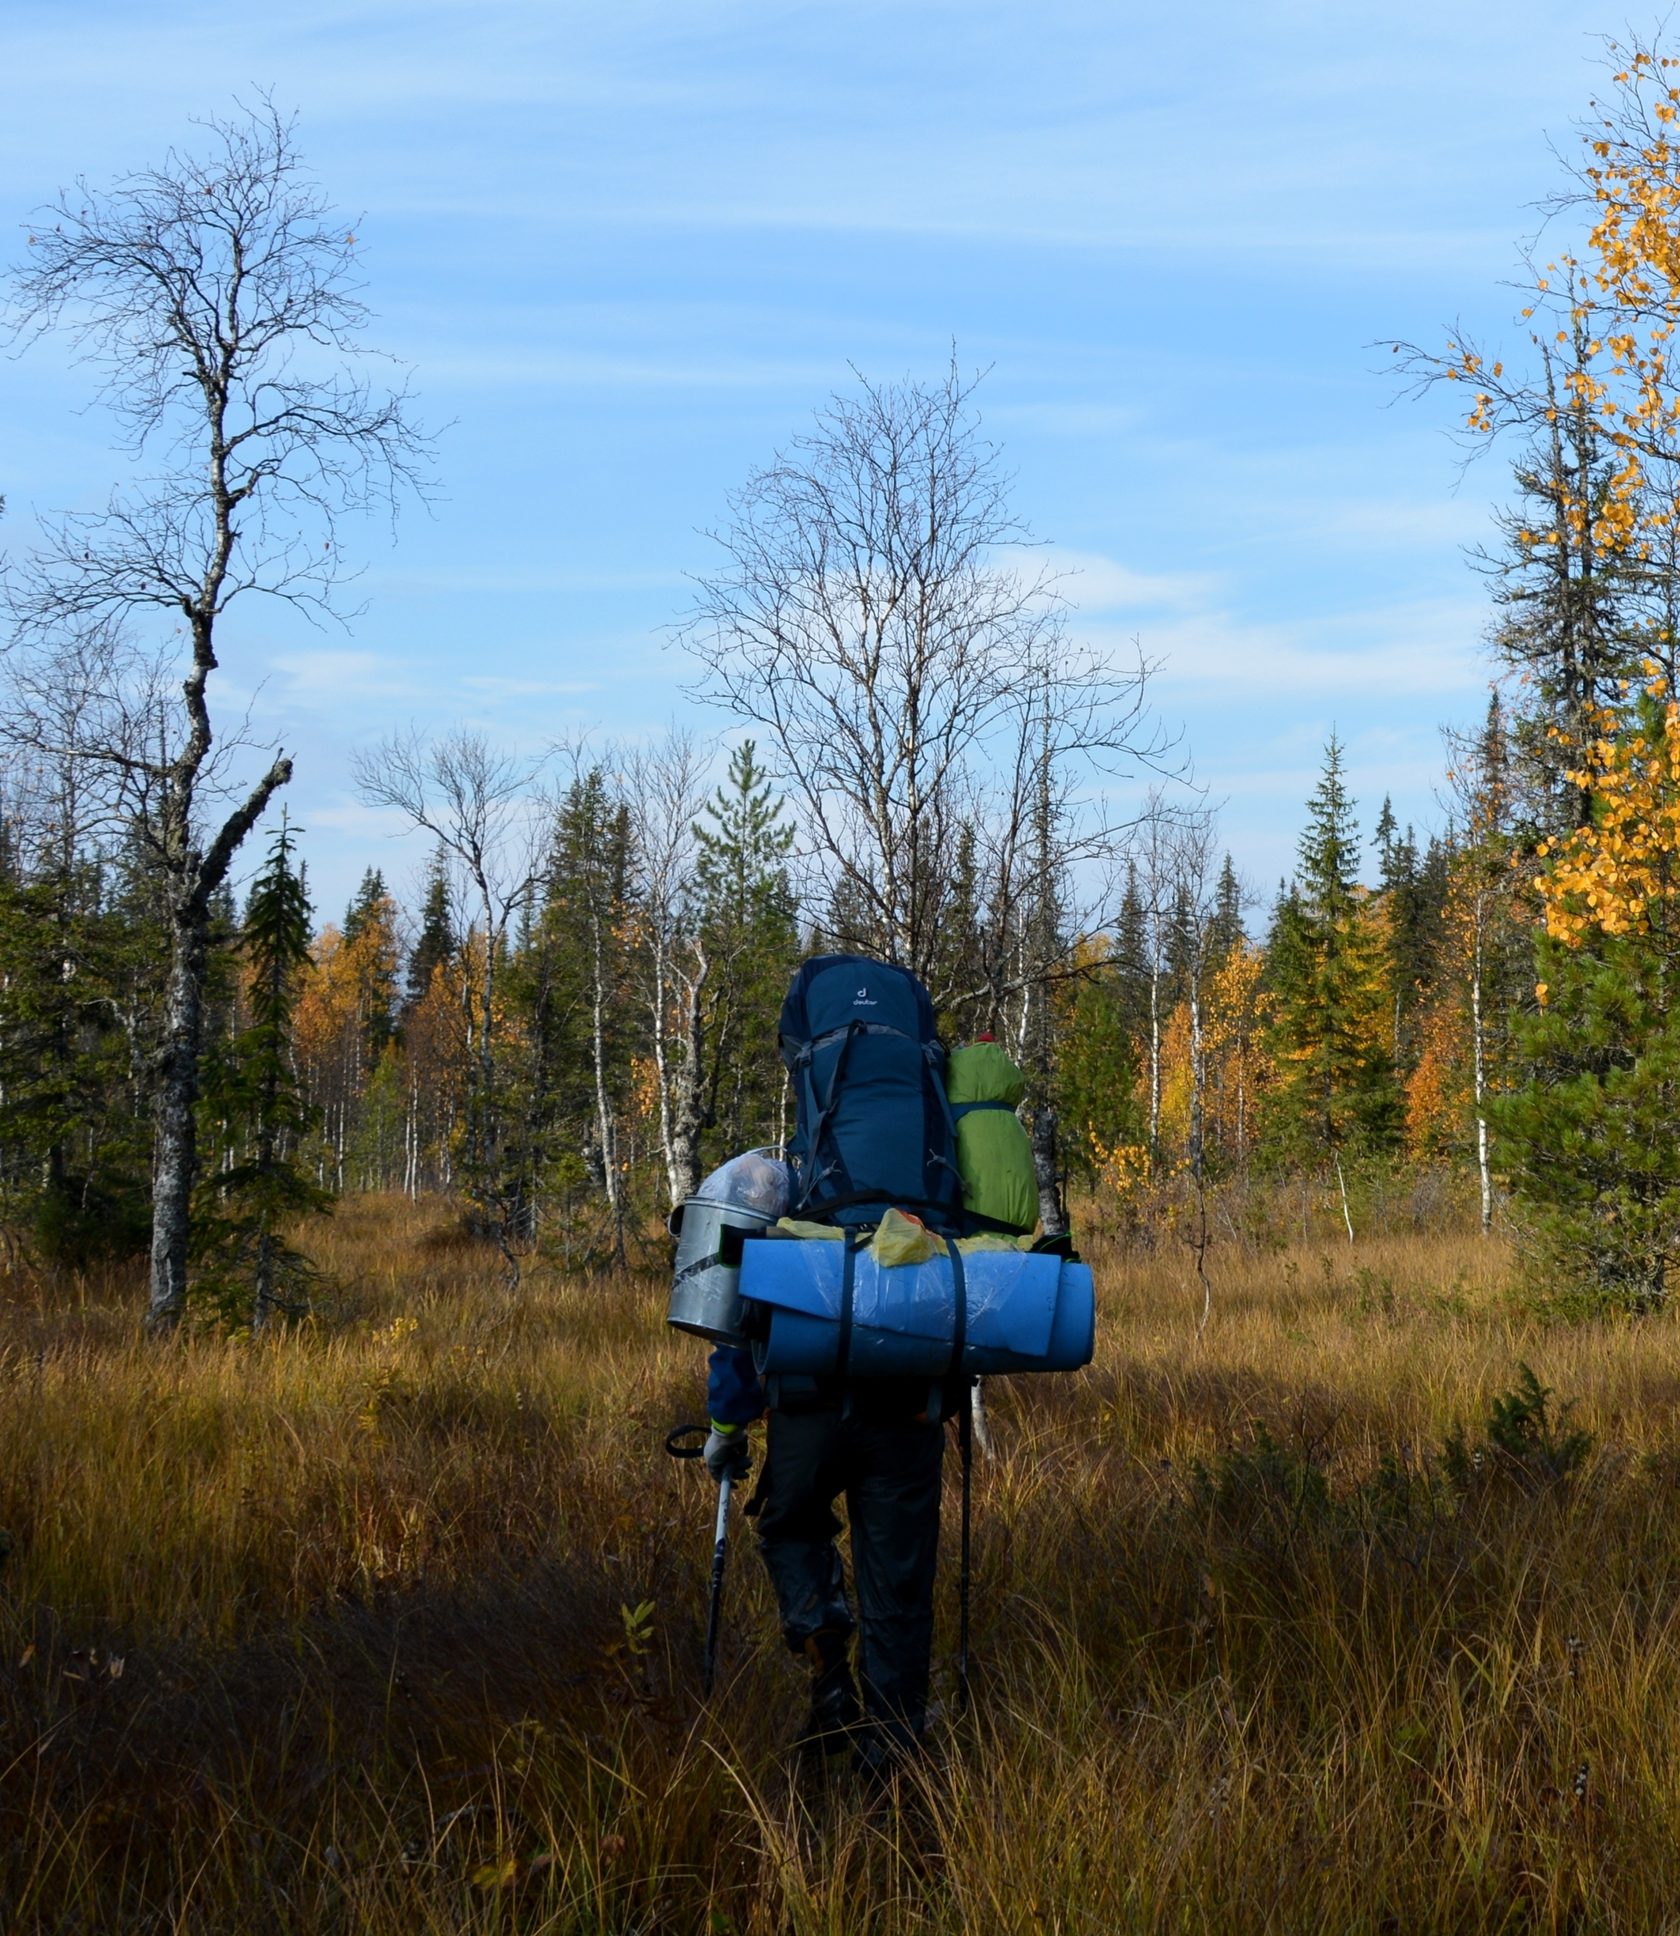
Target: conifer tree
(247, 1262)
(1226, 929)
(371, 951)
(1412, 893)
(748, 921)
(1589, 1138)
(1097, 1070)
(573, 982)
(437, 941)
(76, 967)
(1565, 587)
(1335, 1089)
(1130, 956)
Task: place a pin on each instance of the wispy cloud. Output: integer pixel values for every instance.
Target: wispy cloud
(1208, 650)
(1094, 584)
(332, 677)
(492, 686)
(1420, 649)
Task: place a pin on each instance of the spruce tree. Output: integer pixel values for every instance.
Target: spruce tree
(1567, 596)
(748, 921)
(1130, 957)
(364, 905)
(247, 1264)
(1097, 1072)
(1413, 893)
(437, 940)
(75, 974)
(559, 1119)
(1589, 1138)
(1226, 929)
(372, 953)
(1335, 1089)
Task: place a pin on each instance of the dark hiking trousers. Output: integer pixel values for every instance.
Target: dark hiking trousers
(888, 1468)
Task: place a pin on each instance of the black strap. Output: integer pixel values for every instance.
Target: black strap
(979, 1225)
(925, 1208)
(965, 1443)
(848, 1292)
(960, 1109)
(814, 1154)
(806, 1050)
(959, 1315)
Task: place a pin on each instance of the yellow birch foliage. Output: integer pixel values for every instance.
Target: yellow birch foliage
(1438, 1087)
(1235, 1064)
(1175, 1081)
(324, 1029)
(1123, 1169)
(1619, 876)
(1238, 1067)
(1614, 308)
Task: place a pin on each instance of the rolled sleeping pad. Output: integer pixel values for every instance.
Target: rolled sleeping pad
(1018, 1312)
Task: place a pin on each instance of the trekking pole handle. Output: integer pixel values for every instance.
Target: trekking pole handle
(674, 1438)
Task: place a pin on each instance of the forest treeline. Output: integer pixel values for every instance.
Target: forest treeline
(577, 1073)
(576, 1015)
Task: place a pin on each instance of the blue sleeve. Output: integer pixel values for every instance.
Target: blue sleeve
(733, 1393)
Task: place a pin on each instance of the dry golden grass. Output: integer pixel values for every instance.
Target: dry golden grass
(329, 1633)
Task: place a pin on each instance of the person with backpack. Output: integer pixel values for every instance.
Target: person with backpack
(874, 1132)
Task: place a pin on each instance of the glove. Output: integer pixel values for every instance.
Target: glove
(728, 1452)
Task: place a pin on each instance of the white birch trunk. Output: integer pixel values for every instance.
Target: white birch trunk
(1479, 1066)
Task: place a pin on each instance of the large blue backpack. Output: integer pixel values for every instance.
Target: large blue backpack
(874, 1129)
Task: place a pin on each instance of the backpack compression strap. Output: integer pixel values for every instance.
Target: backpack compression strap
(959, 1313)
(848, 1296)
(848, 1300)
(802, 1063)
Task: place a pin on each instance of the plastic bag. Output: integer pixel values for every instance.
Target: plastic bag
(757, 1180)
(902, 1239)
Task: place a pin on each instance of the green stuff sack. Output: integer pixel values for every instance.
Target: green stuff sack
(994, 1157)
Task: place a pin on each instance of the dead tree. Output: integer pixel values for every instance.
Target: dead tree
(216, 296)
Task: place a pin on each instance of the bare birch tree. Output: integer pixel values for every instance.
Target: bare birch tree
(879, 615)
(664, 788)
(1480, 903)
(217, 299)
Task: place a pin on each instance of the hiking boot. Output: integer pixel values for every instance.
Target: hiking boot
(834, 1699)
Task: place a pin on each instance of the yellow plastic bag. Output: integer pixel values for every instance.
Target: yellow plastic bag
(794, 1228)
(903, 1240)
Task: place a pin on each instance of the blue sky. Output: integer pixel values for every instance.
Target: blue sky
(626, 249)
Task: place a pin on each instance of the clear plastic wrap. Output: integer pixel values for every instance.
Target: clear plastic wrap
(756, 1180)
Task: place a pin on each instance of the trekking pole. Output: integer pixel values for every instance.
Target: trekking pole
(965, 1446)
(720, 1546)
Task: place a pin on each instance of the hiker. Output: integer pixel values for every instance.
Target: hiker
(874, 1133)
(874, 1440)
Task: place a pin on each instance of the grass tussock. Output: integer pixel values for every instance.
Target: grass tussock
(1356, 1612)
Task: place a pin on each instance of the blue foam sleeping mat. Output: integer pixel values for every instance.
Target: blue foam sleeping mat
(1019, 1312)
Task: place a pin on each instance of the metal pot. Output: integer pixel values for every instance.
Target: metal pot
(705, 1289)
